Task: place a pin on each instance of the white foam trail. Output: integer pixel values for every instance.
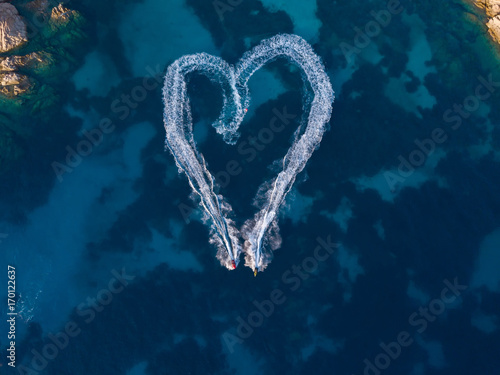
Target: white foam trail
(179, 139)
(261, 232)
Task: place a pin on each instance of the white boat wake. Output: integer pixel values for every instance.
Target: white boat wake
(260, 233)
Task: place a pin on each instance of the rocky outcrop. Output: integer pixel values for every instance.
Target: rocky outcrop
(63, 17)
(14, 84)
(492, 8)
(31, 72)
(13, 32)
(37, 62)
(494, 28)
(64, 25)
(56, 31)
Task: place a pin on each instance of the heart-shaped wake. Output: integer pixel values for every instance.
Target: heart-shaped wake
(260, 233)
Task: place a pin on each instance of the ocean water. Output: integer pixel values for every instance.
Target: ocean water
(114, 270)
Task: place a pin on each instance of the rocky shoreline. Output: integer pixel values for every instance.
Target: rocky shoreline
(13, 32)
(38, 40)
(492, 10)
(32, 47)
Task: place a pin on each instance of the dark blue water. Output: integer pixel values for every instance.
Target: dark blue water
(391, 236)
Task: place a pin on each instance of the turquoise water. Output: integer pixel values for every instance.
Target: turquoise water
(403, 181)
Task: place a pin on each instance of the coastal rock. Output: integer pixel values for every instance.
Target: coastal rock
(30, 74)
(61, 13)
(14, 84)
(64, 26)
(58, 28)
(494, 28)
(12, 28)
(492, 7)
(37, 62)
(62, 16)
